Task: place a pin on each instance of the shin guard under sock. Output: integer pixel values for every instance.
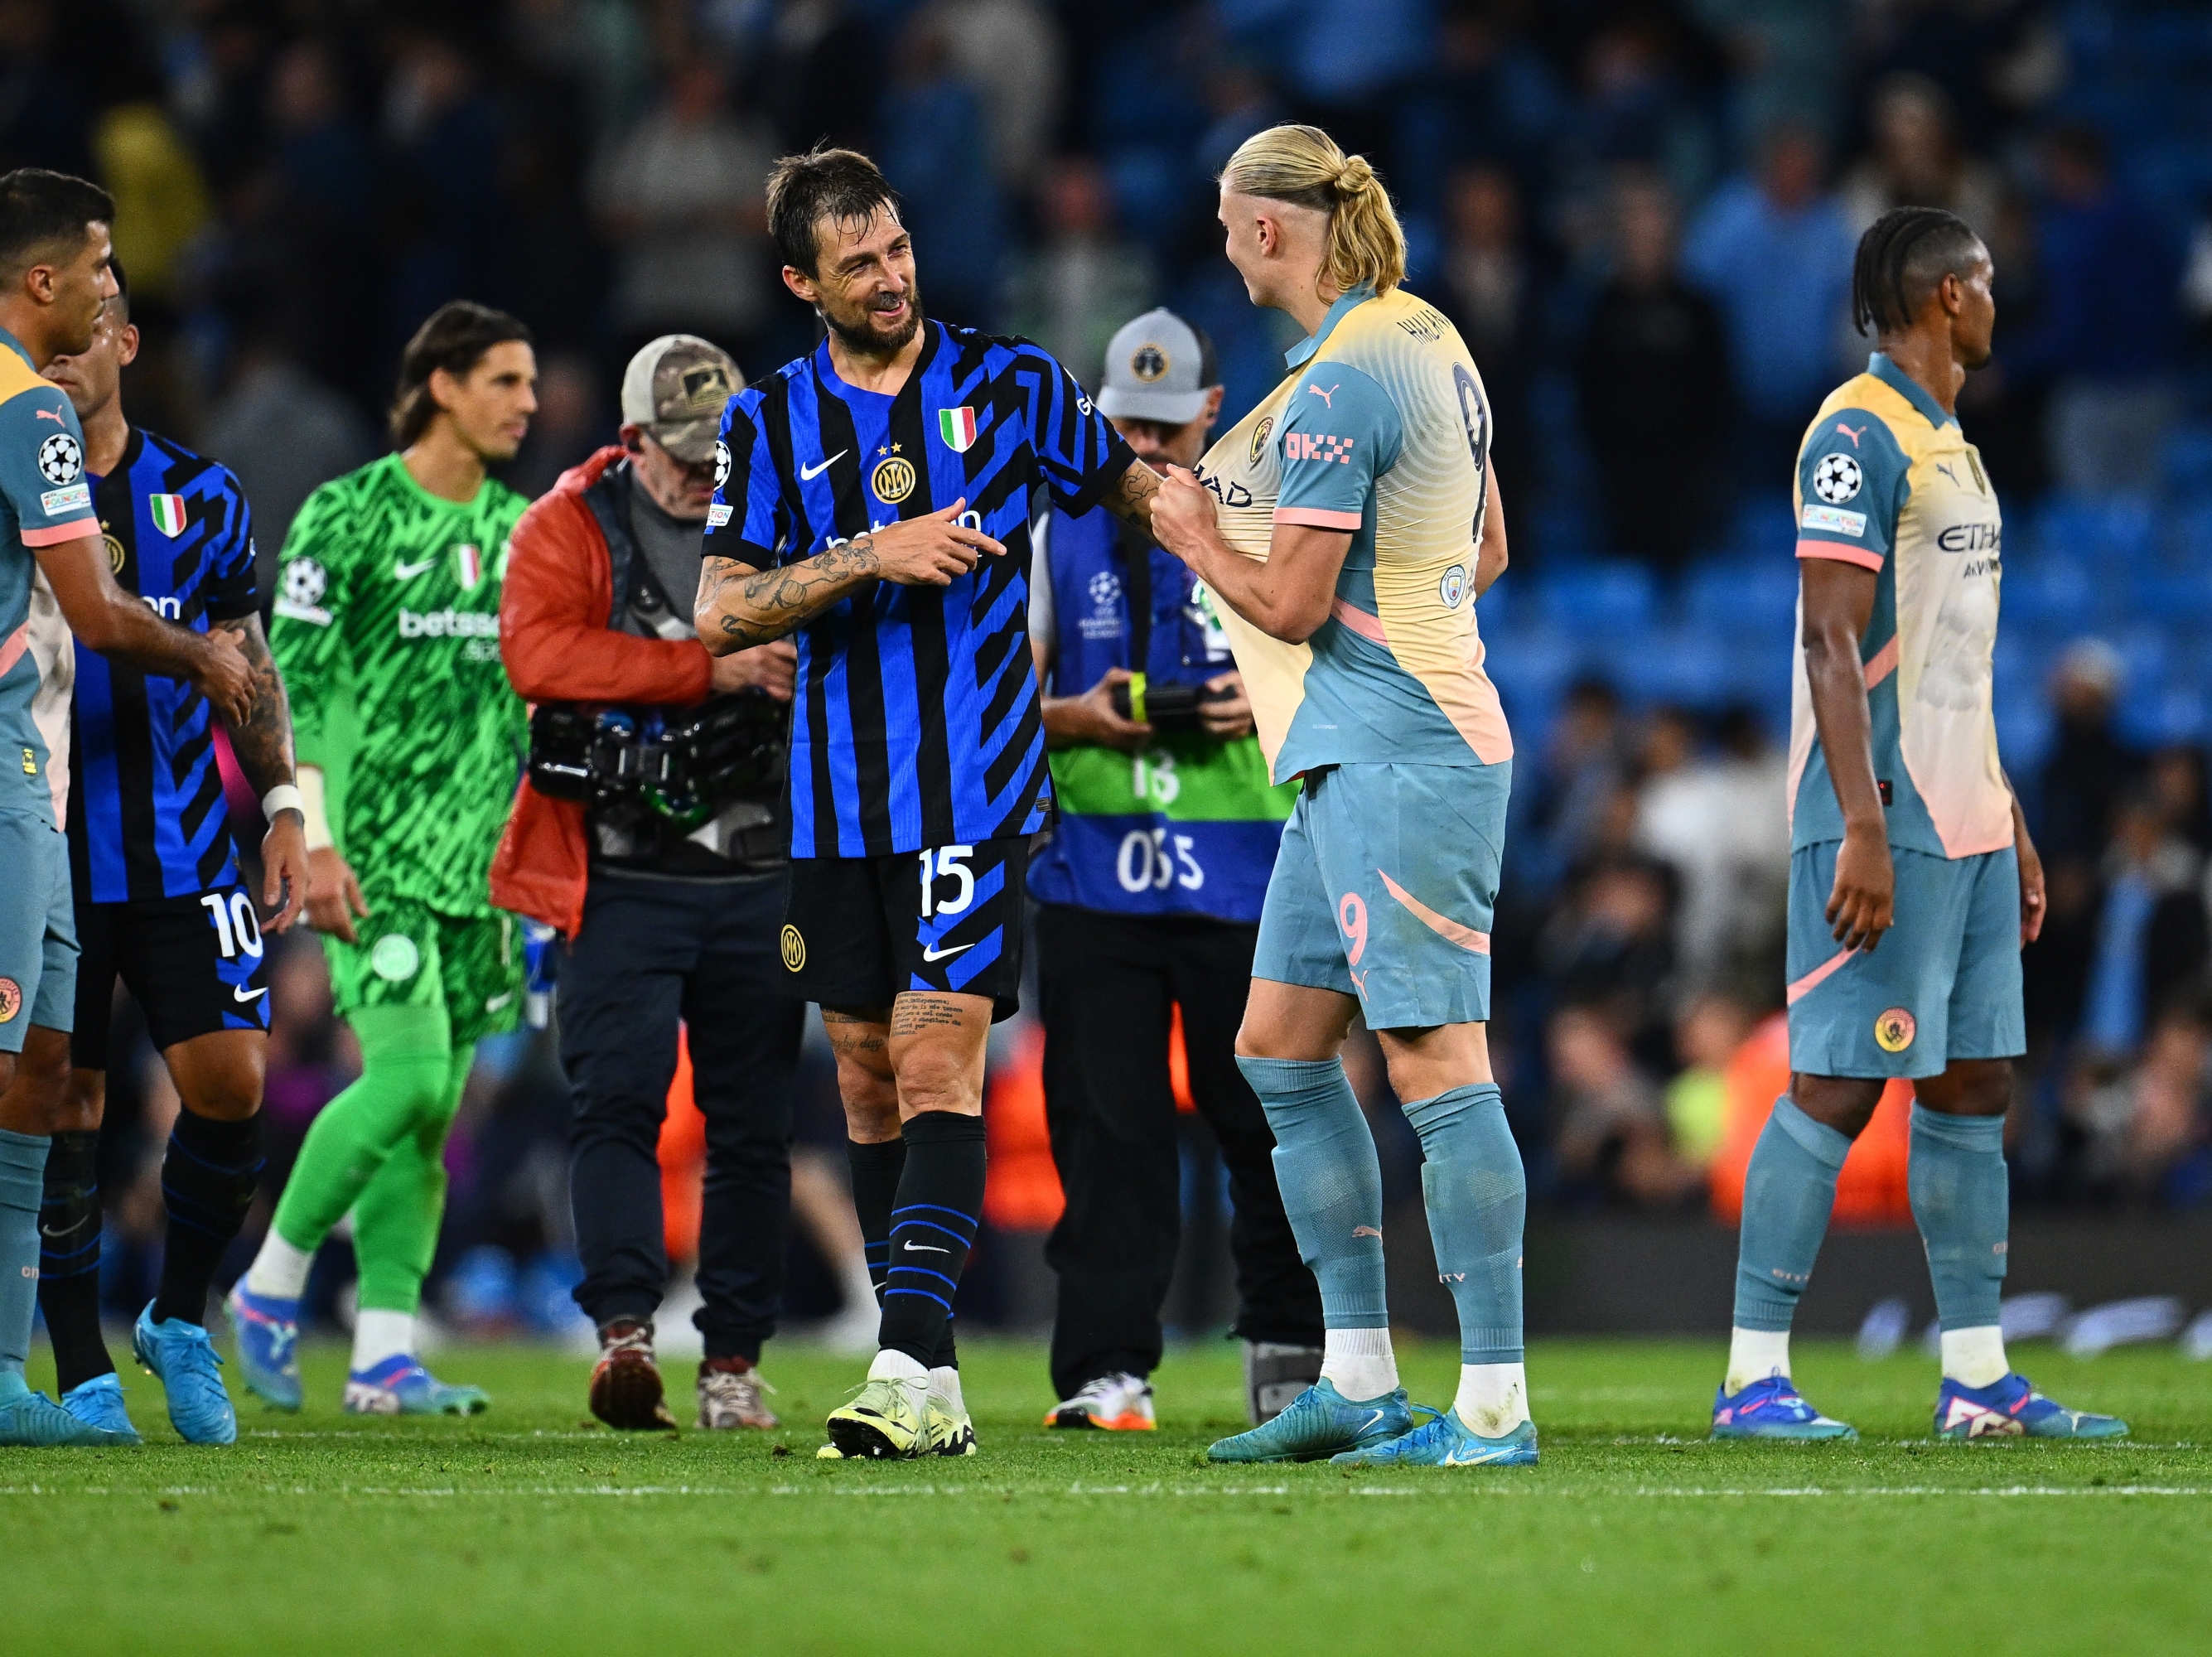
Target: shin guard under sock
(1331, 1181)
(1478, 1200)
(68, 1258)
(1788, 1192)
(934, 1221)
(22, 1185)
(208, 1176)
(1963, 1207)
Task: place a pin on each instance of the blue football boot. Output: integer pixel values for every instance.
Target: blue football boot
(99, 1403)
(183, 1359)
(1319, 1422)
(2011, 1408)
(400, 1385)
(267, 1330)
(1770, 1408)
(1448, 1441)
(33, 1421)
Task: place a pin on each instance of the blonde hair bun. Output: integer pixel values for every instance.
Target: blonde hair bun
(1304, 167)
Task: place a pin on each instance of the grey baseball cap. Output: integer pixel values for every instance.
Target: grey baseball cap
(1159, 368)
(675, 388)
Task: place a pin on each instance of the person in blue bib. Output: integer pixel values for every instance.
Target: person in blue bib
(1149, 896)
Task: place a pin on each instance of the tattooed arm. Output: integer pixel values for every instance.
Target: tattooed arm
(739, 606)
(262, 743)
(1131, 497)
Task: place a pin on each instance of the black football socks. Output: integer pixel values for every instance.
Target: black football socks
(939, 1206)
(208, 1177)
(68, 1258)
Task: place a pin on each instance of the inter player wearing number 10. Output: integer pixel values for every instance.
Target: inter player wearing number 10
(1904, 834)
(874, 500)
(160, 901)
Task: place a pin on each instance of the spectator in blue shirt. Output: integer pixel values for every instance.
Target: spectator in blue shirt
(1774, 252)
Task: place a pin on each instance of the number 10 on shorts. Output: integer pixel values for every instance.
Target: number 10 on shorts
(946, 863)
(236, 925)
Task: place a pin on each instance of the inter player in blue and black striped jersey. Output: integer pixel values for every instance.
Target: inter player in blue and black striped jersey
(874, 500)
(160, 899)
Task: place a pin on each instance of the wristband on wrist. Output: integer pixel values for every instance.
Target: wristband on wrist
(284, 797)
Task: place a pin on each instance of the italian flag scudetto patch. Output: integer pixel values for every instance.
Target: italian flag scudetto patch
(957, 427)
(167, 512)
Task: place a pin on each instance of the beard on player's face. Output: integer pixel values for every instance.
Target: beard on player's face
(859, 324)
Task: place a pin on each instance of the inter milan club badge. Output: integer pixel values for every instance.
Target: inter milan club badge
(1894, 1030)
(893, 480)
(957, 427)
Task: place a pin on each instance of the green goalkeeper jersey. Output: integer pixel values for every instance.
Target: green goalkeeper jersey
(386, 627)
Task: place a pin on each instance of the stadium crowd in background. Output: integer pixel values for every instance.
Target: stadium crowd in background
(1641, 217)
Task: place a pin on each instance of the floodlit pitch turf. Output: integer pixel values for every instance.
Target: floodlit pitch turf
(531, 1530)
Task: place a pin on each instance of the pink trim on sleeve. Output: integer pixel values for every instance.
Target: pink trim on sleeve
(1316, 517)
(13, 646)
(1842, 552)
(55, 534)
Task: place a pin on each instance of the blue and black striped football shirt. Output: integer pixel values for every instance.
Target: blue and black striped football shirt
(147, 818)
(917, 722)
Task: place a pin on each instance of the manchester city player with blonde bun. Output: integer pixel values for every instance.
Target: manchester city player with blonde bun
(1346, 529)
(1913, 885)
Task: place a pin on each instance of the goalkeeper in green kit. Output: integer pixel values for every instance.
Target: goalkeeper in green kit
(386, 627)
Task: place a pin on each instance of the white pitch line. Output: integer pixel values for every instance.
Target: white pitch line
(1456, 1487)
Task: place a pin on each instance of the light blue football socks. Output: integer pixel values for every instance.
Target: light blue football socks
(1788, 1192)
(1331, 1181)
(22, 1188)
(1962, 1204)
(1478, 1200)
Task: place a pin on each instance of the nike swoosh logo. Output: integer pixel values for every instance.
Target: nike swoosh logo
(807, 474)
(1360, 1431)
(48, 1231)
(925, 1248)
(495, 1002)
(242, 993)
(409, 572)
(940, 954)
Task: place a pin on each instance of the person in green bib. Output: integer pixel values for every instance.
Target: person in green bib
(1149, 895)
(387, 627)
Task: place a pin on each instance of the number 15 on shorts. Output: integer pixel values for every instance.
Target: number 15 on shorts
(947, 863)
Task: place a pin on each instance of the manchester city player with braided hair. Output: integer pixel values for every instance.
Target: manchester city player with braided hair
(1346, 528)
(1913, 885)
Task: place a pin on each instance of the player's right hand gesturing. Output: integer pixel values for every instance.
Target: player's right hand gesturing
(931, 551)
(1862, 905)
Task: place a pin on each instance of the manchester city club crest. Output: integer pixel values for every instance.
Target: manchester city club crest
(1894, 1030)
(1261, 433)
(1453, 587)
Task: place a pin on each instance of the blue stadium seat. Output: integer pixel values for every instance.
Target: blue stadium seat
(2053, 590)
(2105, 532)
(1608, 597)
(1750, 597)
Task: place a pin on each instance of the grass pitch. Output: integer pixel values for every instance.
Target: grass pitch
(531, 1530)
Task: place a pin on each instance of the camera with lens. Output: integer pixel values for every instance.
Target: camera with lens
(1166, 708)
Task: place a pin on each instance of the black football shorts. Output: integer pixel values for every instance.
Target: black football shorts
(195, 965)
(859, 931)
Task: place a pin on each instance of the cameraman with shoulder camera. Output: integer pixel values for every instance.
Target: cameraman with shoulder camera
(650, 832)
(1150, 894)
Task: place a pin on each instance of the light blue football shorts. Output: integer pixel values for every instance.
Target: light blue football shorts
(1944, 983)
(38, 929)
(1384, 887)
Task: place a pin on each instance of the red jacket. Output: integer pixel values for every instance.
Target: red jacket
(554, 640)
